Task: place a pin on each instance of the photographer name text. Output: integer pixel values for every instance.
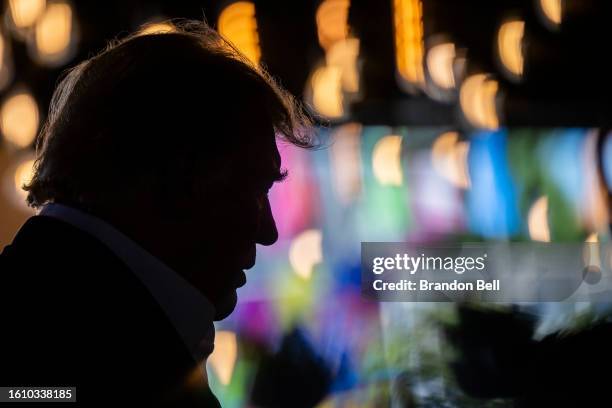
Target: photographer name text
(426, 285)
(413, 264)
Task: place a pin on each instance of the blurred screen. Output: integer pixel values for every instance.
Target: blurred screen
(427, 185)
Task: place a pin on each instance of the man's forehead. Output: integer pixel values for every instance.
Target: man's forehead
(276, 157)
(270, 161)
(255, 149)
(259, 155)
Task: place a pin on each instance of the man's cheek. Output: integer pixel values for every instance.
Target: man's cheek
(242, 221)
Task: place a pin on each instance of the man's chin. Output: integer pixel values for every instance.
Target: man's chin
(225, 306)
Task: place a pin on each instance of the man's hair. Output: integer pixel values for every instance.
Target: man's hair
(154, 107)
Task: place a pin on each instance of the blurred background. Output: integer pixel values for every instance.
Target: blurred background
(441, 121)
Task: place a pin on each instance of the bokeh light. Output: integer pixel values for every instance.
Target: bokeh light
(409, 46)
(54, 34)
(238, 25)
(595, 210)
(332, 22)
(478, 101)
(591, 254)
(449, 158)
(24, 13)
(510, 46)
(552, 11)
(223, 358)
(386, 160)
(592, 238)
(23, 175)
(306, 252)
(440, 60)
(343, 55)
(538, 220)
(19, 119)
(326, 84)
(15, 176)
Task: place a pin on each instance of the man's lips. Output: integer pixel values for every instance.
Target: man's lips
(248, 264)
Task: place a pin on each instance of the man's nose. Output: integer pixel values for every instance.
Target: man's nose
(267, 234)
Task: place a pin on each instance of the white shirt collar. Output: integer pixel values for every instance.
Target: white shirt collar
(188, 310)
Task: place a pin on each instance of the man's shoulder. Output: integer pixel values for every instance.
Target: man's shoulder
(53, 265)
(69, 299)
(46, 240)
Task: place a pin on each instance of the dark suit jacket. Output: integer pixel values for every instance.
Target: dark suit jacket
(74, 315)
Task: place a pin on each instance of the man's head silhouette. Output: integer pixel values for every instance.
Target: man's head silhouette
(171, 138)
